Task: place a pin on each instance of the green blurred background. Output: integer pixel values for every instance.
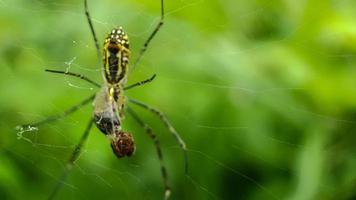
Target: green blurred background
(263, 93)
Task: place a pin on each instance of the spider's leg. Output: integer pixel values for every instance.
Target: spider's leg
(167, 190)
(92, 32)
(140, 83)
(145, 45)
(67, 73)
(58, 116)
(71, 162)
(169, 126)
(92, 28)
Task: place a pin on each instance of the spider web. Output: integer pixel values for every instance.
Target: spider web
(254, 106)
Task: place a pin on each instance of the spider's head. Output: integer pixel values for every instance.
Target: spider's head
(122, 144)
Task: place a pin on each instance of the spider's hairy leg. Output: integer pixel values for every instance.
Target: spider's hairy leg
(169, 126)
(167, 189)
(58, 116)
(140, 83)
(145, 45)
(71, 161)
(75, 75)
(86, 10)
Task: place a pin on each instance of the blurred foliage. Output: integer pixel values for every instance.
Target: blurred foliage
(263, 92)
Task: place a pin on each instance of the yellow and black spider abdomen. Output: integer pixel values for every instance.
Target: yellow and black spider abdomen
(116, 56)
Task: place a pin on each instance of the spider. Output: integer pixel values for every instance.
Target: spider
(110, 102)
